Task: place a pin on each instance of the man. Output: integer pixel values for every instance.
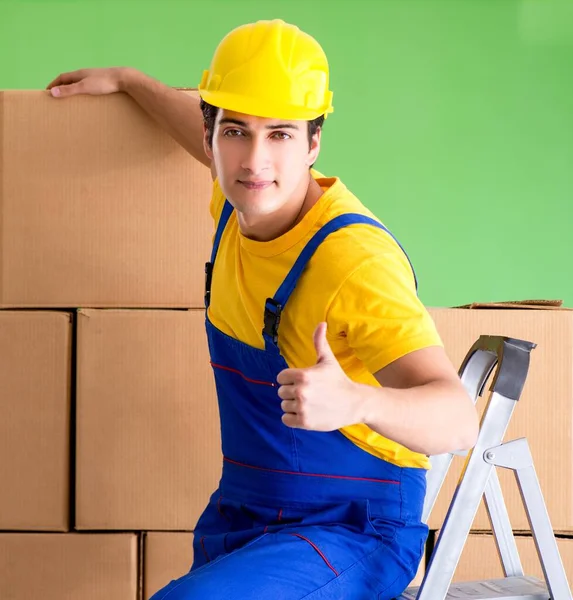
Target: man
(332, 382)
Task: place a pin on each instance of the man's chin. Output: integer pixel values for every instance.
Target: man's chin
(255, 206)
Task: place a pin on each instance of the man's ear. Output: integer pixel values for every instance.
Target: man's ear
(206, 145)
(314, 149)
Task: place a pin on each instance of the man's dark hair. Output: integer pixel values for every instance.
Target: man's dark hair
(210, 114)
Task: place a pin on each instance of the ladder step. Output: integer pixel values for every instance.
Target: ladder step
(509, 588)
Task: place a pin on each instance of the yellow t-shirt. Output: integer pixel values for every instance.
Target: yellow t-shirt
(359, 281)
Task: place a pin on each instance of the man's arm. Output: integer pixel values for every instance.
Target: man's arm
(179, 114)
(422, 404)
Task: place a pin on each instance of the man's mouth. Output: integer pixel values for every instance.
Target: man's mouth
(256, 185)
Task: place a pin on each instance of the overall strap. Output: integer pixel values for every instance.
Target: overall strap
(274, 306)
(223, 220)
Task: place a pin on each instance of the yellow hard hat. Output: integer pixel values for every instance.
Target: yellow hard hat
(269, 69)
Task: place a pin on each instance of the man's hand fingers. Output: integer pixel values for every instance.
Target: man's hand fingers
(286, 392)
(65, 79)
(57, 81)
(287, 376)
(289, 406)
(63, 91)
(291, 420)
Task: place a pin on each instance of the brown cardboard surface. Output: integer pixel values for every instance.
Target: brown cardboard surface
(68, 566)
(35, 363)
(148, 439)
(480, 559)
(533, 304)
(99, 207)
(166, 556)
(544, 414)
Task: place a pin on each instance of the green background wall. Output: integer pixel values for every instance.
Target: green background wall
(453, 119)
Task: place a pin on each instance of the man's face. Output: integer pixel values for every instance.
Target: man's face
(261, 163)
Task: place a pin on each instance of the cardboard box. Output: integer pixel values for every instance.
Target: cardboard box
(480, 559)
(148, 433)
(99, 207)
(166, 556)
(35, 382)
(544, 414)
(68, 566)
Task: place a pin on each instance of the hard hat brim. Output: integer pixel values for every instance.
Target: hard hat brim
(256, 107)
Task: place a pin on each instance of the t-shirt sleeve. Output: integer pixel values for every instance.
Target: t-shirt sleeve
(377, 309)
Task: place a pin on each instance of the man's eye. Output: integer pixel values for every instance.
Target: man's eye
(281, 135)
(233, 133)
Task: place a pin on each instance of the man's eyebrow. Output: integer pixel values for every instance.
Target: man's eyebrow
(282, 126)
(231, 121)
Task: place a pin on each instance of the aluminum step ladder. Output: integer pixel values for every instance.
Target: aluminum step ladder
(479, 479)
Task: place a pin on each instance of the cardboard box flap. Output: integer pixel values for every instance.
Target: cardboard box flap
(521, 304)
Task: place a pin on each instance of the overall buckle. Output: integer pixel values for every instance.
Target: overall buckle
(272, 319)
(208, 278)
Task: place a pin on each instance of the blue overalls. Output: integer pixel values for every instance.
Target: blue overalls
(298, 514)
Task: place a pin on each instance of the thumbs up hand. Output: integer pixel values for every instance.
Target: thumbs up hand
(321, 397)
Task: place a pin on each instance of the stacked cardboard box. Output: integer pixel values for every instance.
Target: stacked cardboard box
(100, 208)
(109, 424)
(480, 559)
(544, 415)
(167, 556)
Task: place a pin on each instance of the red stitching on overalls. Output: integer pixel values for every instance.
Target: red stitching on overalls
(204, 551)
(219, 509)
(279, 516)
(319, 552)
(216, 366)
(234, 462)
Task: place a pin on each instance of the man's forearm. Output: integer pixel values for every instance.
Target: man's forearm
(431, 419)
(179, 114)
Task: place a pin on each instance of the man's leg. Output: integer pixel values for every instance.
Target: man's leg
(318, 563)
